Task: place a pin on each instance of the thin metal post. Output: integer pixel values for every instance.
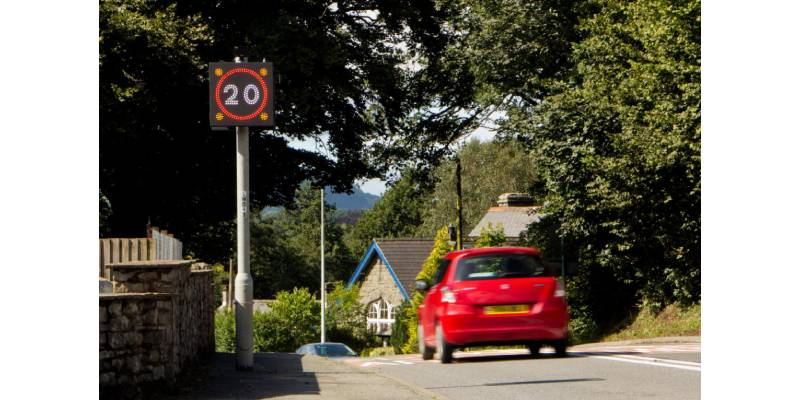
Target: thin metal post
(322, 263)
(244, 282)
(459, 222)
(563, 269)
(229, 300)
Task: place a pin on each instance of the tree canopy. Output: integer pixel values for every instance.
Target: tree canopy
(340, 79)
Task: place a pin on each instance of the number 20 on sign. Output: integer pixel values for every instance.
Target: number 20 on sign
(241, 94)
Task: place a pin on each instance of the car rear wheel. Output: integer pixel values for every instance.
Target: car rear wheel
(444, 350)
(427, 352)
(534, 349)
(561, 348)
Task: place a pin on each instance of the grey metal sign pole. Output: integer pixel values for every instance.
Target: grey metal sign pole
(244, 282)
(322, 263)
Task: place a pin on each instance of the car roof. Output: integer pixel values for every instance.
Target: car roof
(492, 250)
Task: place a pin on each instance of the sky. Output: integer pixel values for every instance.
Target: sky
(378, 186)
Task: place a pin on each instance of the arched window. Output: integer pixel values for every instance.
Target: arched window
(380, 317)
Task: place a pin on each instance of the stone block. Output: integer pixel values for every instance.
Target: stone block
(169, 276)
(116, 340)
(158, 372)
(164, 318)
(107, 378)
(103, 314)
(105, 355)
(154, 356)
(131, 308)
(134, 363)
(121, 323)
(102, 340)
(131, 288)
(150, 317)
(117, 364)
(115, 308)
(148, 276)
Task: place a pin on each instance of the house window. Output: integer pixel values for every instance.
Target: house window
(380, 317)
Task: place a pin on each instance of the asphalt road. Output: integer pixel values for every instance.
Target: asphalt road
(600, 371)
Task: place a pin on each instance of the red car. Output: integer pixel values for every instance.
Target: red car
(492, 296)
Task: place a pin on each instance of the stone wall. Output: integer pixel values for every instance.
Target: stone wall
(137, 339)
(171, 300)
(379, 284)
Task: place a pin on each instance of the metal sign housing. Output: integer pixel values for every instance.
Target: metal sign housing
(241, 94)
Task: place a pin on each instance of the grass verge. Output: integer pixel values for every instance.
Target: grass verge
(672, 321)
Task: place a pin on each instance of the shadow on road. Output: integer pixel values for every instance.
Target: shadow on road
(273, 375)
(522, 383)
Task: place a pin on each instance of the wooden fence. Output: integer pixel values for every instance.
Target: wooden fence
(159, 246)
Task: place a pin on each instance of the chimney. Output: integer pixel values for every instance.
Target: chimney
(515, 200)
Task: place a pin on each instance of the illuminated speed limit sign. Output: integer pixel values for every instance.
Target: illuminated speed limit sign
(241, 94)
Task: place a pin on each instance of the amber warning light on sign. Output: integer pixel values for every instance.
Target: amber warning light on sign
(241, 94)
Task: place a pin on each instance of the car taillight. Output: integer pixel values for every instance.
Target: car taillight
(559, 290)
(448, 296)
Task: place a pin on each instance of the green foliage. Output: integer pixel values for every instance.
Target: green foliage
(380, 352)
(400, 328)
(410, 317)
(396, 214)
(285, 247)
(341, 78)
(673, 320)
(346, 318)
(620, 148)
(225, 331)
(488, 169)
(292, 321)
(491, 236)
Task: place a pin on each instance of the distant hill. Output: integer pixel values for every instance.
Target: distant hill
(346, 204)
(359, 200)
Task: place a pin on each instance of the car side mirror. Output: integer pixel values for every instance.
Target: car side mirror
(421, 285)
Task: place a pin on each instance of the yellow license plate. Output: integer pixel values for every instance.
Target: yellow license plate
(507, 309)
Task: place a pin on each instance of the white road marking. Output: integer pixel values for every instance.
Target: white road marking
(667, 360)
(661, 363)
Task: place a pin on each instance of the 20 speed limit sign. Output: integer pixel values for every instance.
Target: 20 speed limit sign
(241, 94)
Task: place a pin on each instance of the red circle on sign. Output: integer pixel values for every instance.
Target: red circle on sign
(263, 89)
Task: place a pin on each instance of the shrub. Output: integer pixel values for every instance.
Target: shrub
(380, 352)
(346, 319)
(491, 235)
(441, 246)
(400, 329)
(224, 332)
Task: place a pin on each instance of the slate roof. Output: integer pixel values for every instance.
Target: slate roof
(406, 257)
(513, 219)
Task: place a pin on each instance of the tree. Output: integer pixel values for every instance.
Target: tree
(620, 150)
(488, 169)
(339, 79)
(441, 246)
(397, 214)
(285, 247)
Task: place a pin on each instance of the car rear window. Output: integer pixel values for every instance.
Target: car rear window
(334, 350)
(501, 266)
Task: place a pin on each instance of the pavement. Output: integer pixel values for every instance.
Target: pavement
(290, 376)
(661, 368)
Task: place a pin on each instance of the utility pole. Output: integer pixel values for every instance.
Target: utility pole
(244, 282)
(322, 262)
(459, 219)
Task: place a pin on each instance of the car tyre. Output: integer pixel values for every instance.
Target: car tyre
(427, 352)
(560, 348)
(444, 350)
(534, 349)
